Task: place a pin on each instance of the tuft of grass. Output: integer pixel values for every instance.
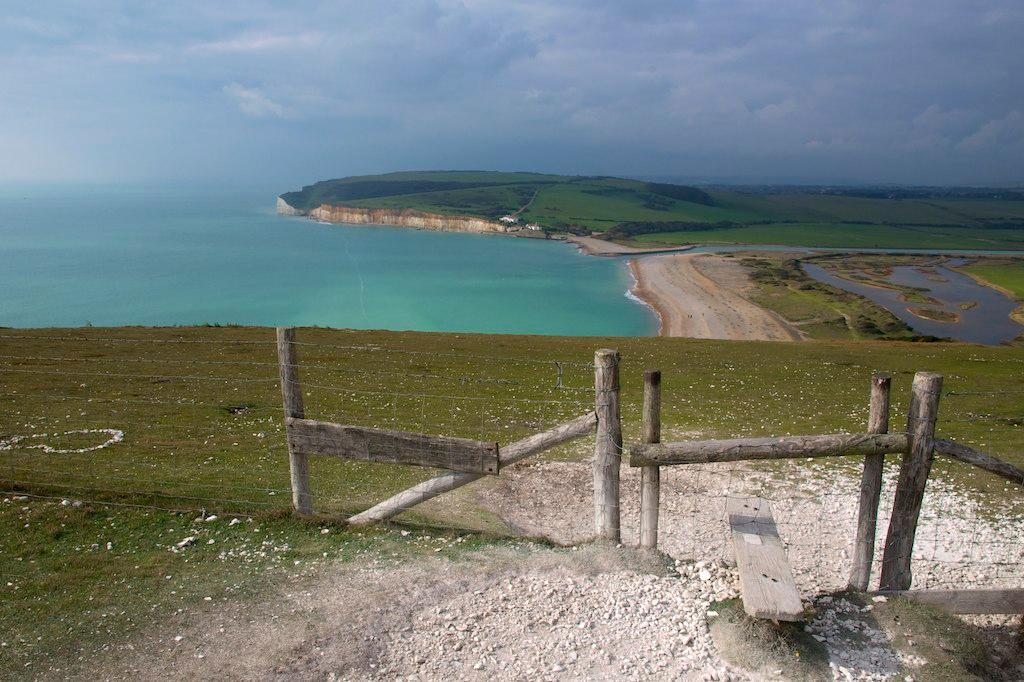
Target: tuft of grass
(950, 648)
(776, 650)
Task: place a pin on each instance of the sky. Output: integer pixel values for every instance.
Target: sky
(894, 91)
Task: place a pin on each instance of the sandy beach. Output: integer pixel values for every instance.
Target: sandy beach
(704, 296)
(592, 246)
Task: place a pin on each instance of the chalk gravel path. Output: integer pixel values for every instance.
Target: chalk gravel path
(584, 612)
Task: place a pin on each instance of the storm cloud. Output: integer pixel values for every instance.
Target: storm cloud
(912, 91)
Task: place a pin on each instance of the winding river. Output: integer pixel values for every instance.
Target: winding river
(984, 313)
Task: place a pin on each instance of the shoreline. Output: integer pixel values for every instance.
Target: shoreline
(701, 296)
(633, 295)
(592, 246)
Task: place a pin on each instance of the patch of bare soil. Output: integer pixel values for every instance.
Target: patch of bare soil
(595, 612)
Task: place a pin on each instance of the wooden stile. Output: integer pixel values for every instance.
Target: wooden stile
(736, 449)
(608, 445)
(914, 470)
(291, 393)
(650, 476)
(870, 486)
(769, 590)
(311, 437)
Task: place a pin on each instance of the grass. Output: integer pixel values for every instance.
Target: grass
(772, 650)
(200, 407)
(834, 208)
(489, 202)
(602, 204)
(842, 235)
(1003, 274)
(1007, 275)
(950, 649)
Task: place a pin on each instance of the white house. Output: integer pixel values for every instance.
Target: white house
(509, 219)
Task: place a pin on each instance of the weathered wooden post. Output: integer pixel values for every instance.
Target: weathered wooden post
(917, 462)
(650, 476)
(608, 446)
(291, 393)
(870, 486)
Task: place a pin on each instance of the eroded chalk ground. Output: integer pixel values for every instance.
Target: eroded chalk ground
(587, 612)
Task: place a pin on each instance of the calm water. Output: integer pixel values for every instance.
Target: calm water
(987, 322)
(79, 255)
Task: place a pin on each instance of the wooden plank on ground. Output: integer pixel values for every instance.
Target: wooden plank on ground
(967, 601)
(312, 437)
(765, 576)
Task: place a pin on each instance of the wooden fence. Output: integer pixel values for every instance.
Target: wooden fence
(465, 461)
(917, 445)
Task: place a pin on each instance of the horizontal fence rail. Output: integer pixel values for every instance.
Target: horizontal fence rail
(980, 459)
(786, 447)
(326, 439)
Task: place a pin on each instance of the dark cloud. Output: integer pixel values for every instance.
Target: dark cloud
(904, 90)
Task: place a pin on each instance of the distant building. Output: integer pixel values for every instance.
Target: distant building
(509, 219)
(533, 226)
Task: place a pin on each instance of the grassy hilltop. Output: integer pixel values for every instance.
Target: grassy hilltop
(200, 411)
(634, 211)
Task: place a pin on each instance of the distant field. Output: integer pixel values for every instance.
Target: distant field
(833, 208)
(1008, 276)
(654, 211)
(600, 205)
(843, 235)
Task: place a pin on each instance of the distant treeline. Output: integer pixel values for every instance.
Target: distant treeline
(883, 192)
(639, 227)
(681, 193)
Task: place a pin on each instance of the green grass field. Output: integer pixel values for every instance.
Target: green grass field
(202, 421)
(835, 208)
(601, 204)
(844, 235)
(1008, 276)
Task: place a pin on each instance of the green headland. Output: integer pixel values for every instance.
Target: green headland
(641, 213)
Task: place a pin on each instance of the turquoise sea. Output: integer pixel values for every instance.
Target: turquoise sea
(74, 255)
